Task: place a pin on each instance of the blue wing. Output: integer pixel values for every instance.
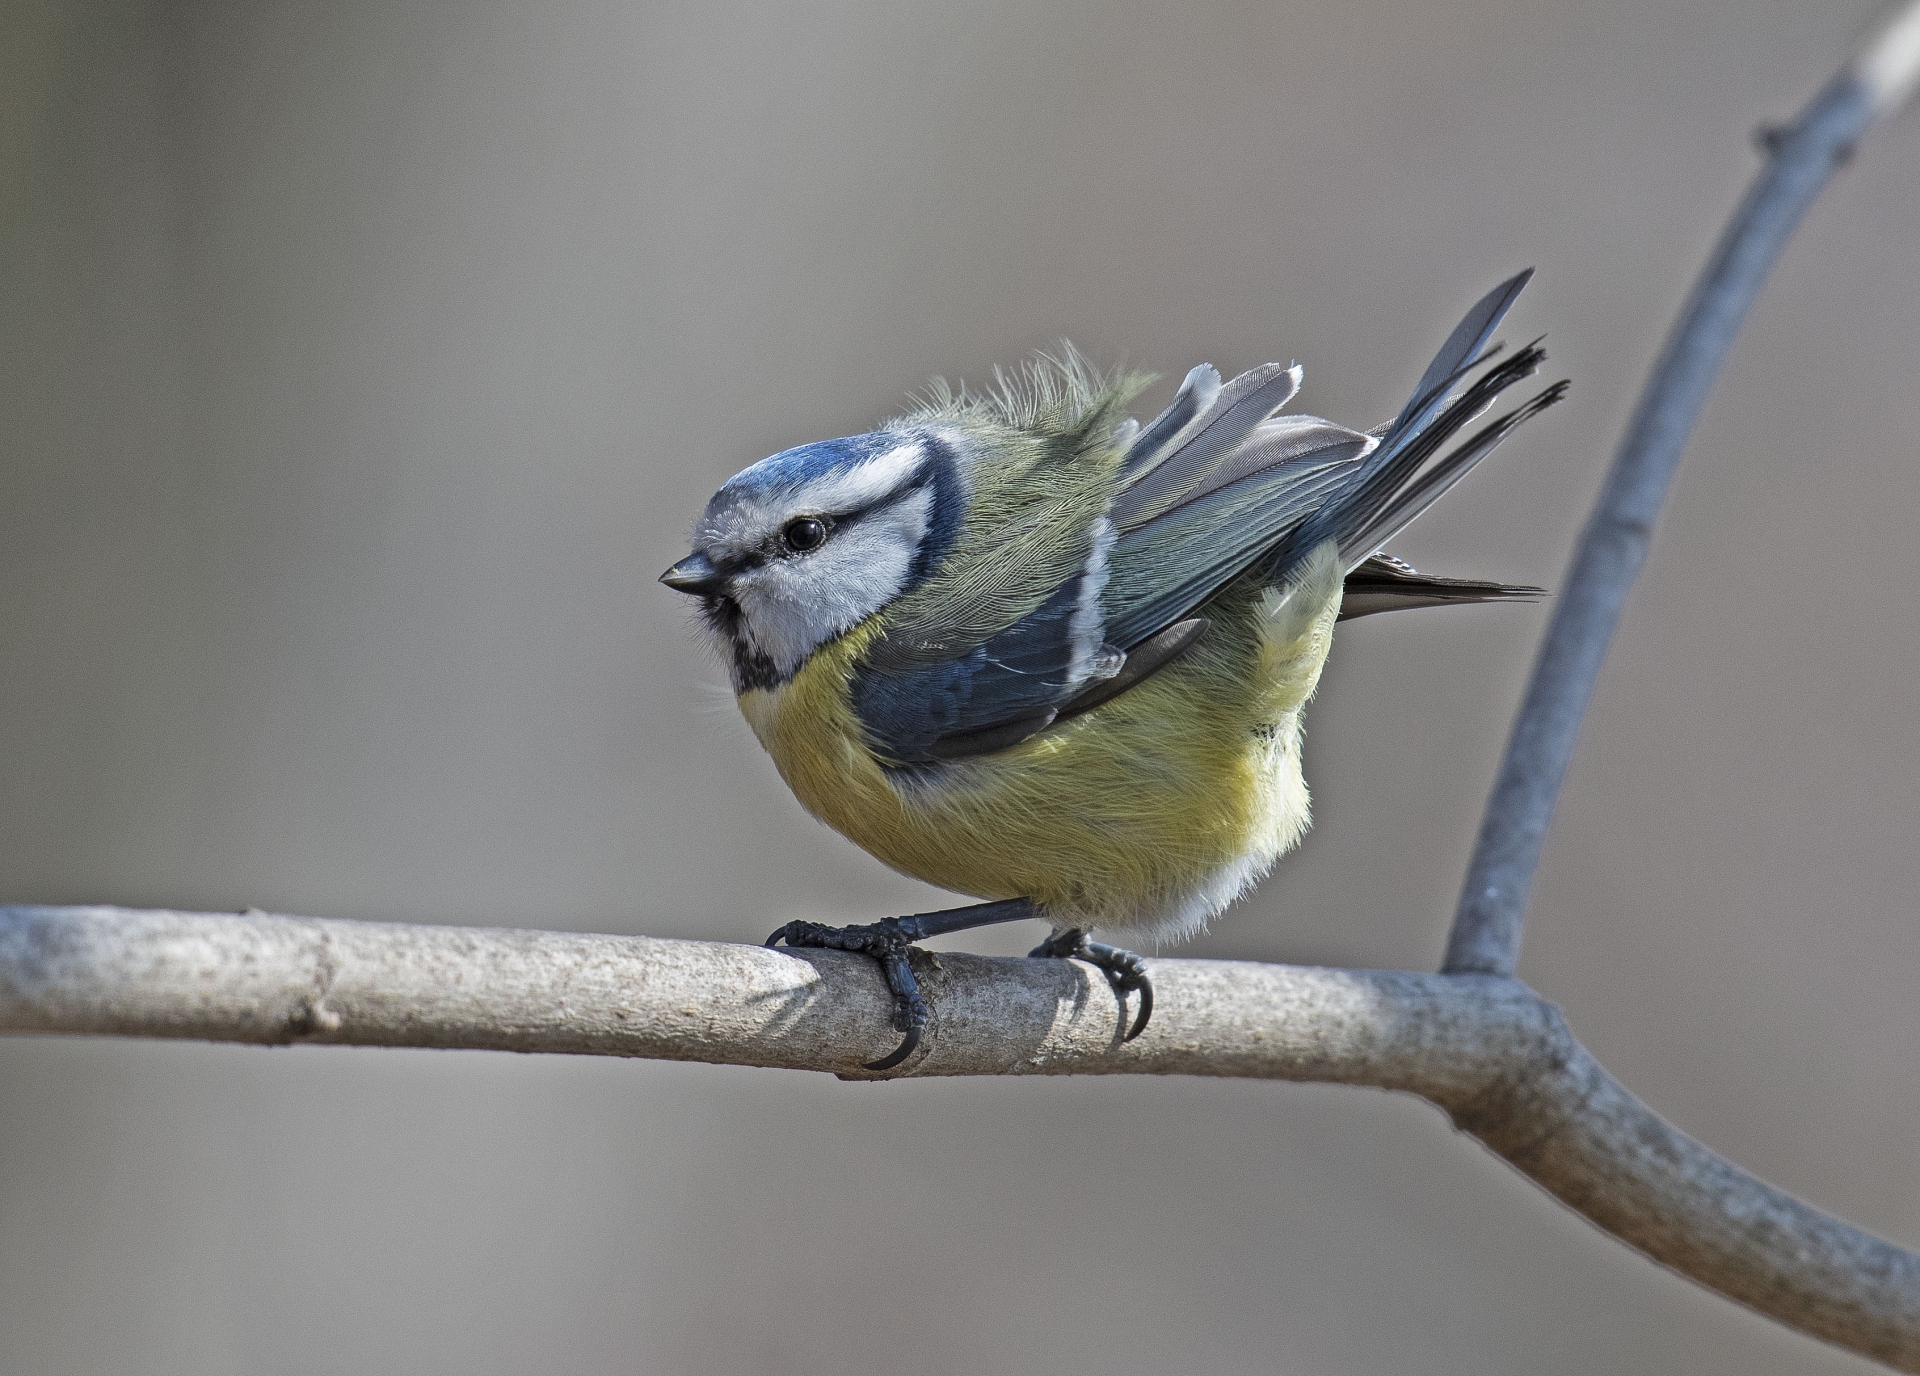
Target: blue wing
(1085, 641)
(994, 695)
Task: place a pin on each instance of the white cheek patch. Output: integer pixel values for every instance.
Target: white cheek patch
(793, 605)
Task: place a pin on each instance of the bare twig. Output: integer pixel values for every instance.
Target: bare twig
(1487, 1050)
(1801, 157)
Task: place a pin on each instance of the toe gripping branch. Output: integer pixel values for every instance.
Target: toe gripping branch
(1124, 970)
(888, 941)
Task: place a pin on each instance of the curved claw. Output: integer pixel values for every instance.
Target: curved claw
(887, 942)
(1146, 1009)
(910, 1012)
(905, 1049)
(1125, 971)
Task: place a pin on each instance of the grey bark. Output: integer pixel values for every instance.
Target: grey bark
(1486, 1049)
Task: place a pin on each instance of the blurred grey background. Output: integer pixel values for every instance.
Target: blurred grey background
(365, 363)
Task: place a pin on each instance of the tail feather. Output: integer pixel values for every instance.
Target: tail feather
(1390, 490)
(1431, 485)
(1385, 584)
(1457, 356)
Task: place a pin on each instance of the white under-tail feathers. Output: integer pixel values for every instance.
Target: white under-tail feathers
(1297, 609)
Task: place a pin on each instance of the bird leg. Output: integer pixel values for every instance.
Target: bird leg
(1124, 970)
(888, 941)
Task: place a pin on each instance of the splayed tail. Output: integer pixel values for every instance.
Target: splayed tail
(1408, 471)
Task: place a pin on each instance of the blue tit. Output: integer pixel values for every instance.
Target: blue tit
(1024, 648)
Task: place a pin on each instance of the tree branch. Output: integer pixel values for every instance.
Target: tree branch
(1487, 1050)
(1474, 1041)
(1801, 158)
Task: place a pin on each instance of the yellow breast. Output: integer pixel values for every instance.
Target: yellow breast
(1149, 813)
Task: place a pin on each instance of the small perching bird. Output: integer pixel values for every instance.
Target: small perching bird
(1022, 648)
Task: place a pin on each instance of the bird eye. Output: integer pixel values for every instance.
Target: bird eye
(805, 533)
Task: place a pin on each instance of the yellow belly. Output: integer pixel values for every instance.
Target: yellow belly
(1149, 813)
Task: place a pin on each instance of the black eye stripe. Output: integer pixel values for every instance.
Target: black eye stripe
(837, 521)
(777, 545)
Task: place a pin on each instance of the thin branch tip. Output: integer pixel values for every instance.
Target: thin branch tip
(1888, 63)
(1803, 156)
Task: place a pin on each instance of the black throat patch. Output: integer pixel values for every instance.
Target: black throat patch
(751, 667)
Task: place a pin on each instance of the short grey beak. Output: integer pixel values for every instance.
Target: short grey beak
(694, 574)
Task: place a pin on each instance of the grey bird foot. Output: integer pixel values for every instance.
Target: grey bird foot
(886, 941)
(1124, 970)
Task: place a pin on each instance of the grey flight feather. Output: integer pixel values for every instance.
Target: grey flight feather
(1283, 439)
(1209, 440)
(1375, 503)
(1168, 567)
(1211, 489)
(1196, 394)
(1469, 337)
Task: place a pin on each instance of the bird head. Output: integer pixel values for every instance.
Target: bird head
(803, 546)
